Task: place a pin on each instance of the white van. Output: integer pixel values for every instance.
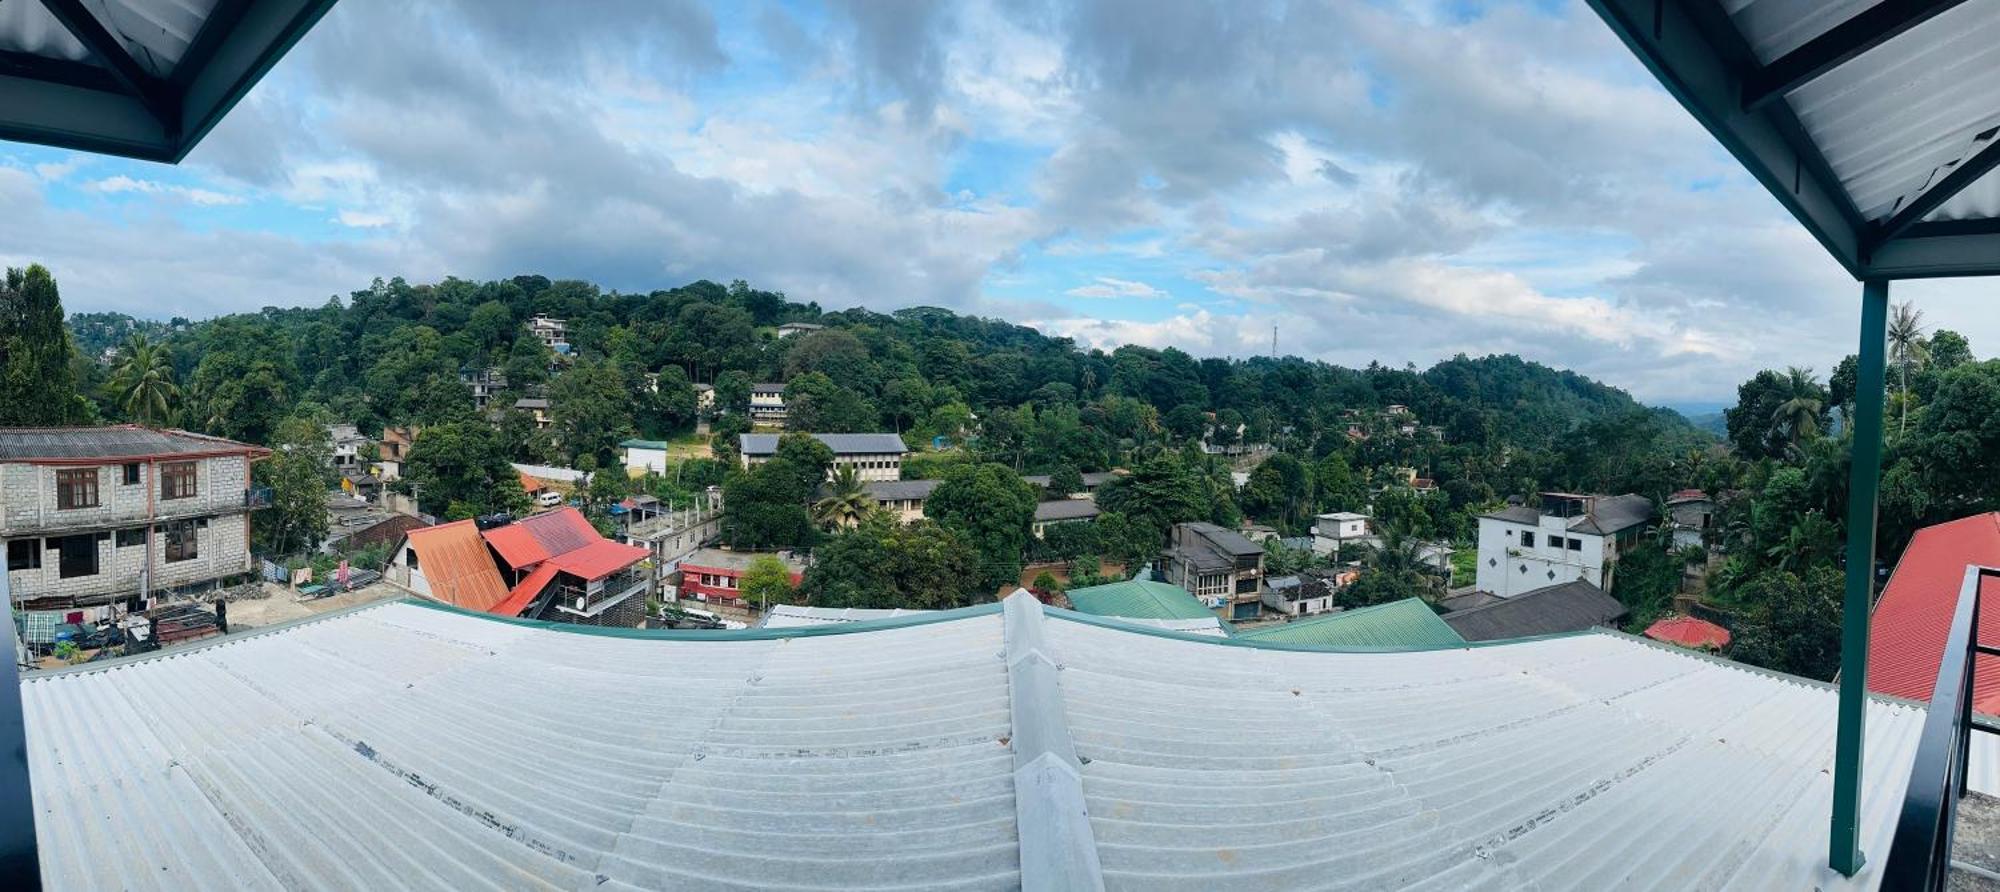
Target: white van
(549, 499)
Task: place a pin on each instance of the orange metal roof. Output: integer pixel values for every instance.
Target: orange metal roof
(454, 560)
(1907, 630)
(1688, 631)
(529, 483)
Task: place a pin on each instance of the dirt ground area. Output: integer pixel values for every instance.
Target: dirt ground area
(284, 605)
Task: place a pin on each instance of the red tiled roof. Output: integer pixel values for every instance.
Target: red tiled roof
(529, 483)
(1688, 631)
(454, 560)
(1907, 630)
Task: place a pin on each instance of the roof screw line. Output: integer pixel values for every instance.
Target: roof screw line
(1058, 848)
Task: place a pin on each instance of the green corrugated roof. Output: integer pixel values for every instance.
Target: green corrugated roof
(1406, 623)
(636, 443)
(1138, 599)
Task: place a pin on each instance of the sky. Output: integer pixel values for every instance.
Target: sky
(1395, 181)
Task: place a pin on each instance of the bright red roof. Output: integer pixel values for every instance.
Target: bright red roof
(599, 559)
(532, 540)
(1907, 630)
(1688, 631)
(524, 594)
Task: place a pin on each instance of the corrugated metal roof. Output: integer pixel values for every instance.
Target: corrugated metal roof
(1906, 632)
(454, 561)
(1563, 607)
(1138, 599)
(1066, 509)
(1560, 763)
(787, 616)
(1406, 623)
(887, 490)
(397, 745)
(124, 441)
(841, 444)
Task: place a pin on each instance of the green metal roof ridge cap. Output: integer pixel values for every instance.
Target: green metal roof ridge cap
(217, 641)
(749, 634)
(1329, 617)
(1241, 640)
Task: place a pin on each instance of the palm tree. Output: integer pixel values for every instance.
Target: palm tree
(846, 501)
(1400, 556)
(1813, 539)
(1797, 418)
(1906, 344)
(143, 382)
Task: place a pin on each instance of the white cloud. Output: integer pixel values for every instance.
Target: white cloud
(362, 219)
(1108, 287)
(123, 184)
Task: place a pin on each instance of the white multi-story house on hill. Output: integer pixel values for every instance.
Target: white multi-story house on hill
(93, 515)
(553, 333)
(1562, 538)
(767, 404)
(1341, 531)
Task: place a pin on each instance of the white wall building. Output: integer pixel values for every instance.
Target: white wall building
(875, 457)
(767, 404)
(1339, 531)
(644, 455)
(1566, 537)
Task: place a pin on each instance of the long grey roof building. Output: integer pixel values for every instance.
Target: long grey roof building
(997, 747)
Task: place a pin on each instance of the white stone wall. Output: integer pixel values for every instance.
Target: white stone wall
(637, 459)
(221, 551)
(28, 496)
(1506, 568)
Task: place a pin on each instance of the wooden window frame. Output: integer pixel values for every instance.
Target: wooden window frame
(77, 488)
(180, 480)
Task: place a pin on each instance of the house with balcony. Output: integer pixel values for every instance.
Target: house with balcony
(559, 568)
(1692, 513)
(1218, 566)
(672, 532)
(553, 333)
(1562, 537)
(95, 515)
(538, 408)
(484, 384)
(767, 404)
(348, 447)
(798, 328)
(874, 457)
(903, 499)
(1055, 512)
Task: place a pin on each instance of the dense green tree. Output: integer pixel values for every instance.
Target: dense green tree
(993, 508)
(732, 392)
(1279, 492)
(243, 384)
(766, 581)
(1792, 623)
(884, 564)
(844, 501)
(37, 385)
(461, 468)
(1159, 493)
(814, 403)
(1948, 350)
(296, 472)
(1064, 481)
(592, 406)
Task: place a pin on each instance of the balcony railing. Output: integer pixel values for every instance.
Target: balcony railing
(257, 497)
(1920, 854)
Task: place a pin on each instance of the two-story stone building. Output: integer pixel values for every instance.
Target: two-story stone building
(874, 457)
(1218, 566)
(102, 514)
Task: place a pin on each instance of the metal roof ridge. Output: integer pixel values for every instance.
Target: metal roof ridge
(1051, 817)
(755, 633)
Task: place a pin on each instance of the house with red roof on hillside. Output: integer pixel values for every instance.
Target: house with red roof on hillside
(1907, 630)
(561, 569)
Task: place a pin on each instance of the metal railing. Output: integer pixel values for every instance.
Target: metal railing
(1920, 854)
(20, 863)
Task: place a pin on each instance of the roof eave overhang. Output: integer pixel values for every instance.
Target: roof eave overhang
(49, 106)
(1697, 54)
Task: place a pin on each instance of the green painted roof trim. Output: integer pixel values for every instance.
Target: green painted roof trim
(1406, 623)
(1138, 599)
(636, 443)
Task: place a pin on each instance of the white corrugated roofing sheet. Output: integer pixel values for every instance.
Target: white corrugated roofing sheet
(1895, 119)
(403, 745)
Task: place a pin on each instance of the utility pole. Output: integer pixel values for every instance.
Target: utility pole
(1274, 340)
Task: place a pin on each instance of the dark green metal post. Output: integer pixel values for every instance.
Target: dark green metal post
(1862, 483)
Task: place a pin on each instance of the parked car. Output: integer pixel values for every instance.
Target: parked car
(549, 499)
